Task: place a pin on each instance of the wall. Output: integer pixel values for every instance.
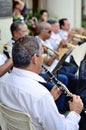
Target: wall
(84, 7)
(70, 9)
(5, 30)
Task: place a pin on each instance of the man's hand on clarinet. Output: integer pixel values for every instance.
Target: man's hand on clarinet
(76, 104)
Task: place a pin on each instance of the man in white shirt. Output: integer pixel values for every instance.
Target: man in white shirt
(51, 60)
(55, 40)
(18, 29)
(65, 29)
(22, 90)
(5, 64)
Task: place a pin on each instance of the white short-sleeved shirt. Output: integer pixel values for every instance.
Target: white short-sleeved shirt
(3, 59)
(63, 34)
(22, 91)
(49, 44)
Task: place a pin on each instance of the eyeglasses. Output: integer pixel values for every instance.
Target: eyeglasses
(48, 31)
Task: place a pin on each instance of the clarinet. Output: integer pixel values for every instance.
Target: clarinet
(60, 85)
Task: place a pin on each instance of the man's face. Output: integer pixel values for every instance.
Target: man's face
(47, 32)
(23, 31)
(66, 26)
(55, 27)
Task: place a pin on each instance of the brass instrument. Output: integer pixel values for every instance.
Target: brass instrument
(69, 45)
(79, 36)
(63, 50)
(47, 48)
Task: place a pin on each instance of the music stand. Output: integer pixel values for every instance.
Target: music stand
(58, 66)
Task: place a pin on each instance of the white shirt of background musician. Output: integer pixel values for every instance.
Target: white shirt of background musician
(63, 34)
(53, 41)
(45, 44)
(22, 91)
(3, 59)
(49, 45)
(40, 40)
(57, 39)
(55, 62)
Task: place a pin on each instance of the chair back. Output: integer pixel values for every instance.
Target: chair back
(2, 123)
(16, 120)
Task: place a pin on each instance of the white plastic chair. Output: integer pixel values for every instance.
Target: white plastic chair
(2, 123)
(16, 120)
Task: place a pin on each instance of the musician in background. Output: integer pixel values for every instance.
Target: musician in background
(44, 34)
(65, 31)
(58, 42)
(5, 65)
(18, 29)
(27, 94)
(52, 59)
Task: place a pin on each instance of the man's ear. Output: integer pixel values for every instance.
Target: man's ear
(15, 34)
(34, 59)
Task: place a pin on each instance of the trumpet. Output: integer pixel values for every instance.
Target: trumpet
(47, 48)
(79, 36)
(60, 51)
(69, 45)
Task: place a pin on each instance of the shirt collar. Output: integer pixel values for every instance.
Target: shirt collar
(27, 74)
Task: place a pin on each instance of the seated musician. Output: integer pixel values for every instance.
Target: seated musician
(18, 29)
(56, 43)
(28, 95)
(45, 33)
(65, 31)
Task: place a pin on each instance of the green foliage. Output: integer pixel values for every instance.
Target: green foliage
(83, 24)
(30, 20)
(16, 19)
(36, 14)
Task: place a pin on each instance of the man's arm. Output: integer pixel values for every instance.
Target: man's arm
(6, 67)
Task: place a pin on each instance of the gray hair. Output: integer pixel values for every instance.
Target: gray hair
(42, 26)
(52, 21)
(23, 50)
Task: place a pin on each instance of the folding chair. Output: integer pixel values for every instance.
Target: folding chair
(16, 120)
